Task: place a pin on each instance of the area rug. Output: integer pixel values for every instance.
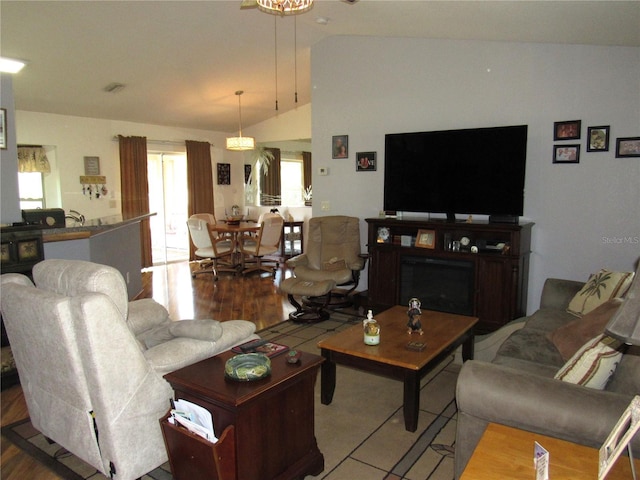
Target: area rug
(361, 434)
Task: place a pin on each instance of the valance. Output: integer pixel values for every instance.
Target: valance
(33, 159)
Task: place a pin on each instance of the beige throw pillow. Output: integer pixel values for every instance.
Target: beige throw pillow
(599, 289)
(570, 337)
(593, 365)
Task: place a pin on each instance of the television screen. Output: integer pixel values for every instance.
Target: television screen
(471, 171)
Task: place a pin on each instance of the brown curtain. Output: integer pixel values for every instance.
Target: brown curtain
(135, 189)
(306, 169)
(271, 184)
(199, 181)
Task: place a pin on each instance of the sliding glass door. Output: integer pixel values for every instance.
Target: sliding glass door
(168, 198)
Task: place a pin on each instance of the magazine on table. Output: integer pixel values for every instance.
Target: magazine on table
(270, 349)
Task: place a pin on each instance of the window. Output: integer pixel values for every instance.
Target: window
(292, 182)
(31, 189)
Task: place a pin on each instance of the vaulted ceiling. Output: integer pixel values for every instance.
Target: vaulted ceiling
(182, 61)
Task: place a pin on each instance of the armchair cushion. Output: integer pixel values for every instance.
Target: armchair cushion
(206, 329)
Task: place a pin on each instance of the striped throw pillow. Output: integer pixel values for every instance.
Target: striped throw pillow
(593, 364)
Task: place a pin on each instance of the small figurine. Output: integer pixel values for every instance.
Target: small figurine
(414, 314)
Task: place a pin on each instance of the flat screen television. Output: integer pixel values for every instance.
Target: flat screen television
(470, 171)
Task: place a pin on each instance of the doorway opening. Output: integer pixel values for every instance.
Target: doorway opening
(167, 174)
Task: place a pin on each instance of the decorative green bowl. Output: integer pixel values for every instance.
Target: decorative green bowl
(247, 367)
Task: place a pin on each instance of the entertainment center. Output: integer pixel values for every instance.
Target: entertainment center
(474, 268)
(479, 268)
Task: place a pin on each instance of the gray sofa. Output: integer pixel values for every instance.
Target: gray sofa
(517, 387)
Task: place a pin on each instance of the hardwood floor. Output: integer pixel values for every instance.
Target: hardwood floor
(254, 297)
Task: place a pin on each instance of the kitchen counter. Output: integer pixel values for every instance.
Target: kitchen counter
(93, 227)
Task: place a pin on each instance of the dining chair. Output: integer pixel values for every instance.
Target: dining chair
(266, 243)
(210, 246)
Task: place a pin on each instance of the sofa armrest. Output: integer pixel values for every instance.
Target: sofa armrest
(557, 293)
(298, 260)
(487, 393)
(145, 314)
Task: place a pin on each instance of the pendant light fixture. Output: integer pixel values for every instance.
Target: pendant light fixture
(284, 7)
(240, 143)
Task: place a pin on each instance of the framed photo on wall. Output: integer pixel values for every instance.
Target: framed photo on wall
(366, 162)
(566, 153)
(340, 146)
(426, 239)
(628, 147)
(3, 128)
(224, 174)
(568, 130)
(598, 139)
(247, 173)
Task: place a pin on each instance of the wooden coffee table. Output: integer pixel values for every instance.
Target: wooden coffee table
(273, 417)
(443, 332)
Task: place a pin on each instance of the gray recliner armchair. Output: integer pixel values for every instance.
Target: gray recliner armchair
(332, 253)
(91, 363)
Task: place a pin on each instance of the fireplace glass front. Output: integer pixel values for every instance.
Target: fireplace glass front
(443, 285)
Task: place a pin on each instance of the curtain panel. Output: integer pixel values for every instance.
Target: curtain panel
(271, 184)
(135, 189)
(199, 181)
(306, 169)
(33, 159)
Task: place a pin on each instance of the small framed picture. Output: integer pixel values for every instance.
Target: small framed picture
(247, 173)
(92, 165)
(569, 130)
(598, 139)
(426, 239)
(3, 128)
(566, 153)
(224, 174)
(366, 162)
(628, 147)
(340, 146)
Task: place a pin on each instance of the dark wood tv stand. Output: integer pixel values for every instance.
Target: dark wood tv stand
(500, 265)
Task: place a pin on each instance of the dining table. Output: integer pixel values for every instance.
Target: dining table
(234, 230)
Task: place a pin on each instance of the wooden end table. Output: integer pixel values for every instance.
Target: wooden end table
(443, 332)
(507, 453)
(273, 417)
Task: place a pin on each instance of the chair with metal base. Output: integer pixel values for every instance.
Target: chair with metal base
(210, 247)
(332, 253)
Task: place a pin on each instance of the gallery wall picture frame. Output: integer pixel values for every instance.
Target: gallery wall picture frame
(567, 130)
(426, 239)
(247, 173)
(627, 147)
(224, 173)
(3, 128)
(366, 162)
(566, 153)
(598, 139)
(340, 146)
(92, 165)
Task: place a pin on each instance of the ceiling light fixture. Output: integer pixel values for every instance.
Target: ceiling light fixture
(284, 7)
(10, 65)
(240, 143)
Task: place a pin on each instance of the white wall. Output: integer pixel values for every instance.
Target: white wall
(586, 215)
(70, 139)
